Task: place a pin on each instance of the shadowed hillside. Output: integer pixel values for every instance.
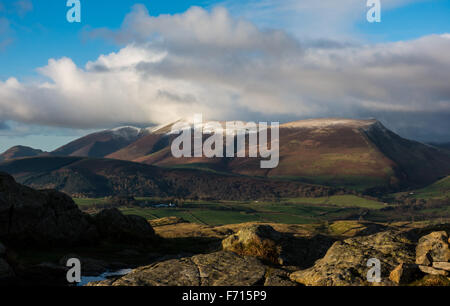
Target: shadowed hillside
(19, 152)
(102, 177)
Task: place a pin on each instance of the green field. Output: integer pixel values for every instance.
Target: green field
(342, 201)
(438, 190)
(287, 211)
(87, 201)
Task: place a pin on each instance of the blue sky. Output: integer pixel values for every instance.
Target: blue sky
(44, 32)
(34, 31)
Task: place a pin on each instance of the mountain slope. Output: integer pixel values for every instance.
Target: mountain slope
(101, 143)
(359, 154)
(93, 177)
(19, 152)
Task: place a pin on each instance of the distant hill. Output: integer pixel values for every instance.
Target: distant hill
(19, 152)
(93, 177)
(101, 143)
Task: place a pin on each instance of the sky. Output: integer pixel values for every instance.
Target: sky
(152, 62)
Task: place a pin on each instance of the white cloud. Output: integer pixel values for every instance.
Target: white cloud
(310, 19)
(5, 33)
(201, 62)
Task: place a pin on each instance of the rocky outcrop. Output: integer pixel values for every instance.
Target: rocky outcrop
(215, 269)
(433, 253)
(50, 218)
(345, 263)
(433, 248)
(404, 260)
(405, 274)
(274, 247)
(115, 226)
(41, 218)
(278, 278)
(256, 240)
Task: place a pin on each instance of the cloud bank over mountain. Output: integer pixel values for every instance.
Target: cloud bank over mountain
(200, 61)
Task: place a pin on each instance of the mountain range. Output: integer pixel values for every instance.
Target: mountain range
(360, 155)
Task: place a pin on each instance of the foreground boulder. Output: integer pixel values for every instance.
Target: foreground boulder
(433, 247)
(216, 269)
(405, 274)
(41, 218)
(345, 263)
(51, 218)
(115, 226)
(264, 242)
(256, 240)
(433, 254)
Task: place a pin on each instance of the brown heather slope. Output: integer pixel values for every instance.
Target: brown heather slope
(101, 143)
(357, 154)
(342, 152)
(19, 152)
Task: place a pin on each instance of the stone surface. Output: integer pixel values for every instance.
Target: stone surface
(433, 271)
(256, 240)
(115, 226)
(46, 273)
(345, 263)
(442, 265)
(103, 283)
(433, 280)
(433, 247)
(47, 217)
(405, 274)
(215, 269)
(278, 278)
(264, 242)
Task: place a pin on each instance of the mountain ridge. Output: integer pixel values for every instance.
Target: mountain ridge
(350, 153)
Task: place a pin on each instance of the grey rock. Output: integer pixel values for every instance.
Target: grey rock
(42, 218)
(345, 263)
(103, 283)
(264, 242)
(442, 265)
(115, 226)
(433, 247)
(228, 269)
(216, 269)
(278, 278)
(433, 271)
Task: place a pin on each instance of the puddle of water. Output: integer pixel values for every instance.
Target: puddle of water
(87, 279)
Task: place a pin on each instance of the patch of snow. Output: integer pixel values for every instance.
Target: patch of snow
(320, 123)
(126, 131)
